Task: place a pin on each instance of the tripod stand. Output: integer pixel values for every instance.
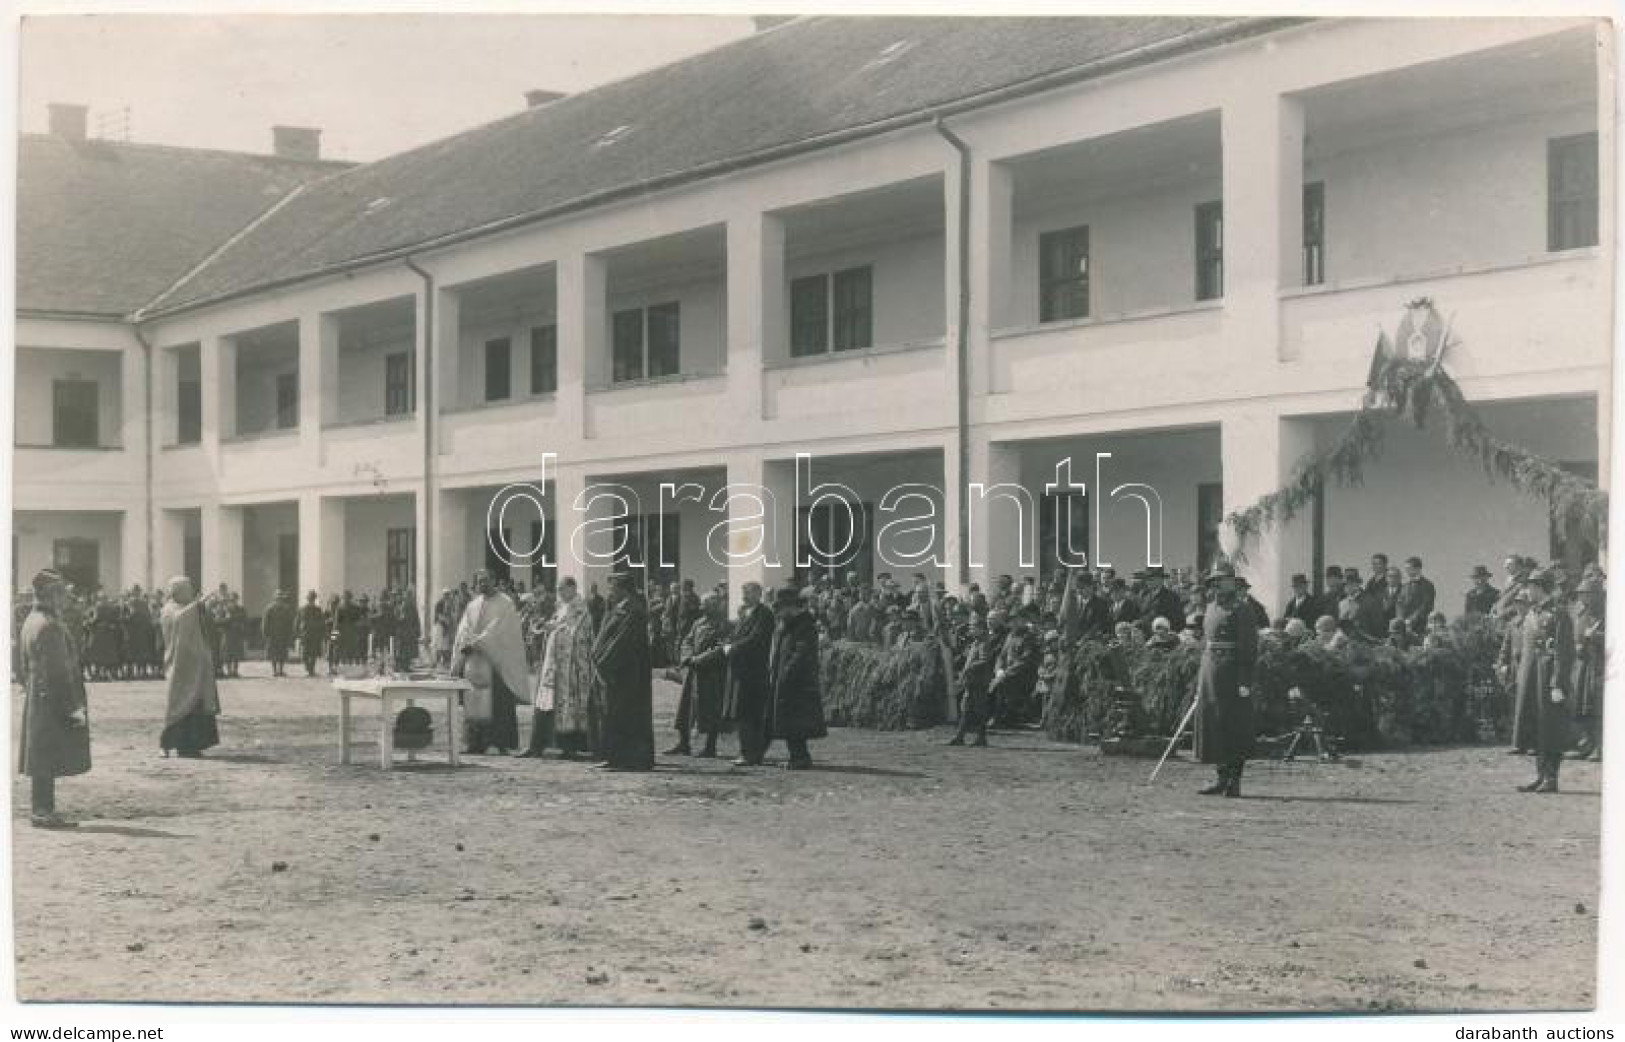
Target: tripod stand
(1309, 732)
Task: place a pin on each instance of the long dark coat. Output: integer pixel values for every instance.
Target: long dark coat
(1224, 720)
(277, 624)
(312, 629)
(51, 746)
(798, 706)
(620, 657)
(1546, 636)
(705, 682)
(749, 685)
(1589, 663)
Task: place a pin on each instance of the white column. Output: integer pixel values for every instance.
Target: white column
(1262, 238)
(991, 228)
(1259, 451)
(1000, 531)
(169, 546)
(165, 396)
(953, 534)
(135, 550)
(318, 380)
(772, 487)
(218, 377)
(321, 545)
(451, 564)
(448, 346)
(758, 321)
(583, 321)
(565, 486)
(1607, 143)
(134, 541)
(222, 547)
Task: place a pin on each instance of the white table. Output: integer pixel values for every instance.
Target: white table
(400, 691)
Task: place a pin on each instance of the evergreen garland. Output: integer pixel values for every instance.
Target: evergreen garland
(1413, 389)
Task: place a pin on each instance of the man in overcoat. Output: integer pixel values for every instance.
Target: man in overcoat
(620, 657)
(749, 690)
(277, 625)
(1545, 677)
(797, 710)
(1224, 709)
(55, 729)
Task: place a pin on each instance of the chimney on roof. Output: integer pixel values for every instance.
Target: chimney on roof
(296, 142)
(535, 99)
(764, 22)
(68, 121)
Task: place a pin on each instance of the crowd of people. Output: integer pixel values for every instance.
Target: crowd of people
(584, 662)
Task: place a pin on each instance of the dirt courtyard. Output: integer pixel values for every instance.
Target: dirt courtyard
(900, 873)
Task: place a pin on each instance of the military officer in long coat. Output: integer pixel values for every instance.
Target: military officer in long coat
(1590, 662)
(797, 709)
(974, 677)
(55, 730)
(749, 686)
(620, 658)
(1545, 678)
(277, 625)
(1224, 706)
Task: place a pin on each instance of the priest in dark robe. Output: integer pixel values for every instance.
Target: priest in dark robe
(620, 658)
(745, 700)
(55, 730)
(796, 713)
(194, 702)
(1224, 706)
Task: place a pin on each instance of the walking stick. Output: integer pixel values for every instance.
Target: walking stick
(1179, 732)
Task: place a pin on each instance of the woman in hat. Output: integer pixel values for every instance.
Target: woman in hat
(1545, 677)
(1224, 714)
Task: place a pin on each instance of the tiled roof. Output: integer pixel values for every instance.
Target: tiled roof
(806, 83)
(104, 227)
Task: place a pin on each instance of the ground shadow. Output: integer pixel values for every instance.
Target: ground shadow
(130, 831)
(877, 772)
(1329, 799)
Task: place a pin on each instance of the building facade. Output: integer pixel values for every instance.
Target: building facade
(1172, 241)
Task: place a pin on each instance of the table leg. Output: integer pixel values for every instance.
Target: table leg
(453, 731)
(386, 738)
(344, 727)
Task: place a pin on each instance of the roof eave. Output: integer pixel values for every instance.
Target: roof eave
(1216, 36)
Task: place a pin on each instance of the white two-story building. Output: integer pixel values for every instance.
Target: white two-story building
(931, 254)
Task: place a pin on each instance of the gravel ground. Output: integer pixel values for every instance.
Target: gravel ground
(900, 873)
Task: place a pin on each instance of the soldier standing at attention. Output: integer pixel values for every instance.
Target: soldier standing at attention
(1545, 675)
(1224, 712)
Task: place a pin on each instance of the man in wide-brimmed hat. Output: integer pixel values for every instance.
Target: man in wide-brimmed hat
(1481, 596)
(55, 730)
(1158, 601)
(1224, 712)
